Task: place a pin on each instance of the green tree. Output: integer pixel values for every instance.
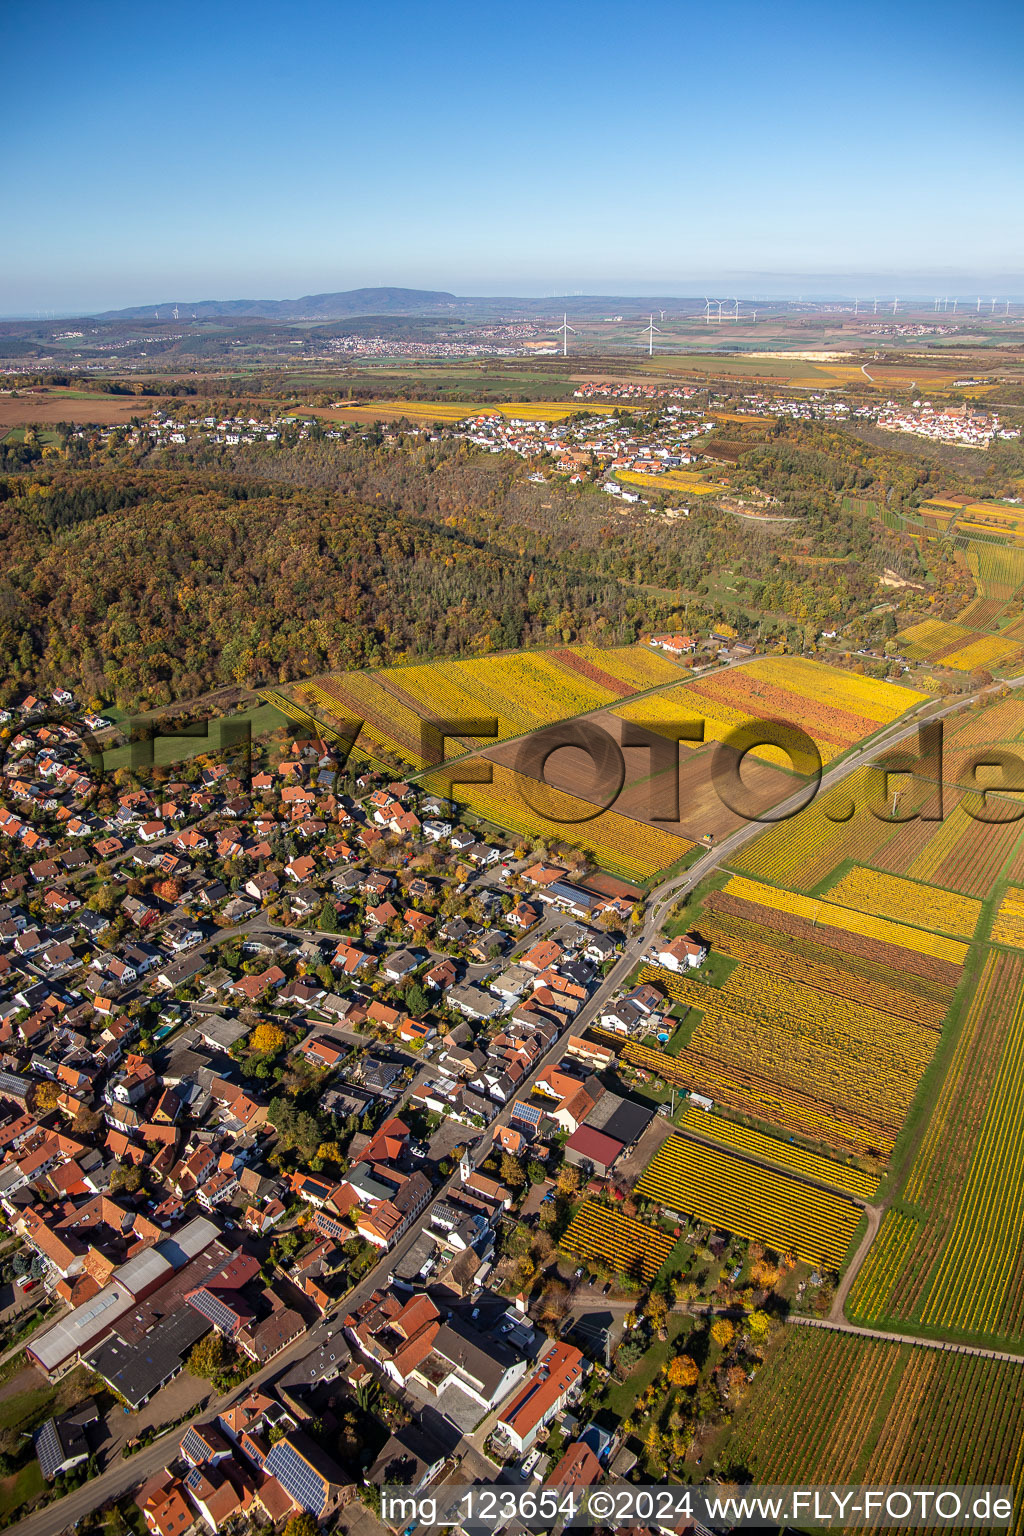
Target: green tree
(416, 1000)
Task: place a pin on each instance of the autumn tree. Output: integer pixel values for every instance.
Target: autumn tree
(682, 1371)
(268, 1039)
(46, 1096)
(302, 1524)
(759, 1326)
(127, 1177)
(209, 1357)
(656, 1310)
(512, 1171)
(568, 1181)
(722, 1331)
(554, 1304)
(764, 1275)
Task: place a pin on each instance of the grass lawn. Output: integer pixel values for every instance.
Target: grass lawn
(17, 1410)
(717, 968)
(677, 1261)
(620, 1396)
(21, 1489)
(683, 1032)
(181, 743)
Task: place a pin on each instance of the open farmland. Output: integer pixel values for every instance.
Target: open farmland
(949, 1257)
(892, 1414)
(862, 925)
(786, 1155)
(836, 709)
(618, 843)
(686, 482)
(528, 691)
(997, 569)
(1008, 924)
(450, 411)
(522, 691)
(807, 1060)
(82, 407)
(738, 1196)
(648, 796)
(802, 851)
(864, 890)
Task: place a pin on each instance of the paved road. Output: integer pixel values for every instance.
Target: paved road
(123, 1475)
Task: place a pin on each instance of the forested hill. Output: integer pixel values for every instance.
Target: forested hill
(140, 579)
(323, 306)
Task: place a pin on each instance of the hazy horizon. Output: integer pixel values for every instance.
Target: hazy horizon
(523, 154)
(911, 289)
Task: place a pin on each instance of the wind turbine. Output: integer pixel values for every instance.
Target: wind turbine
(876, 306)
(175, 311)
(650, 330)
(955, 303)
(993, 306)
(567, 331)
(736, 311)
(707, 311)
(894, 304)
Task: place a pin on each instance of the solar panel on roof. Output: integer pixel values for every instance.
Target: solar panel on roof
(49, 1451)
(211, 1307)
(193, 1446)
(297, 1477)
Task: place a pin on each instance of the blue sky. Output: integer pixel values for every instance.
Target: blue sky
(212, 150)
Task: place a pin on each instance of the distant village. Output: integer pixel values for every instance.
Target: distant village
(963, 425)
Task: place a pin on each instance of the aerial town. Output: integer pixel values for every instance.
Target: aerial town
(295, 1084)
(511, 756)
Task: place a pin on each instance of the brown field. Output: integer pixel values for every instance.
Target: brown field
(700, 809)
(92, 410)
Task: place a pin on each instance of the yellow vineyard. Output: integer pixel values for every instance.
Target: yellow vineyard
(793, 1159)
(814, 910)
(755, 1203)
(1008, 925)
(616, 1241)
(765, 1044)
(890, 896)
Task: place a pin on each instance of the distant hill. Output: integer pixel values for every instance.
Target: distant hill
(315, 306)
